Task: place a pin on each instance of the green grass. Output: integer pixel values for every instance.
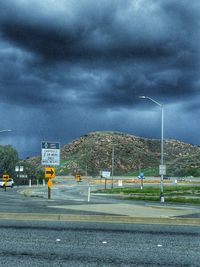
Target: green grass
(152, 190)
(176, 194)
(152, 171)
(132, 190)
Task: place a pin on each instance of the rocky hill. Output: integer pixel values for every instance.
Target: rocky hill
(92, 153)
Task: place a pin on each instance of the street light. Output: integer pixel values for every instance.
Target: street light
(113, 162)
(162, 167)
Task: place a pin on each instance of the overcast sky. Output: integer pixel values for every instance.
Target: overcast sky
(70, 67)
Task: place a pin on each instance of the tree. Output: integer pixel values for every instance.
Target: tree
(8, 160)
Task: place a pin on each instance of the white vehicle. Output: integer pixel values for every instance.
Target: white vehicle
(10, 183)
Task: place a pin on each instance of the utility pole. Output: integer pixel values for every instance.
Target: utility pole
(113, 162)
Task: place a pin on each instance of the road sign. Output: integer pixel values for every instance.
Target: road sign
(162, 170)
(50, 172)
(141, 176)
(19, 168)
(78, 177)
(5, 177)
(105, 174)
(50, 153)
(50, 183)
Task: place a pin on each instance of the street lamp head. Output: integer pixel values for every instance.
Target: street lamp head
(156, 102)
(6, 130)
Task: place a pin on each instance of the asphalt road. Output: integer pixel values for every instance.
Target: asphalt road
(40, 243)
(13, 201)
(91, 244)
(69, 195)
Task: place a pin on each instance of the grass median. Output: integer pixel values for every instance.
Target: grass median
(176, 194)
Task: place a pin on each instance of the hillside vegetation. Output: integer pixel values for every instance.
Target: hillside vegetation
(92, 153)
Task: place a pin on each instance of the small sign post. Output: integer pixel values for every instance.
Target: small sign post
(50, 172)
(50, 153)
(78, 178)
(89, 192)
(49, 184)
(50, 157)
(5, 178)
(162, 169)
(106, 175)
(141, 177)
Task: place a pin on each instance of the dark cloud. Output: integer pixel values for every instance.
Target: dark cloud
(68, 67)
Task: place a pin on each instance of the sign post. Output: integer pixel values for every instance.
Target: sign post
(49, 184)
(141, 176)
(106, 175)
(5, 178)
(89, 192)
(50, 156)
(49, 174)
(50, 153)
(162, 169)
(78, 178)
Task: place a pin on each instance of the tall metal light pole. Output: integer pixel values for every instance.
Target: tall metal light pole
(113, 162)
(162, 169)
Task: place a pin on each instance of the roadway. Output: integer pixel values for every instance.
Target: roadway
(78, 244)
(70, 231)
(68, 197)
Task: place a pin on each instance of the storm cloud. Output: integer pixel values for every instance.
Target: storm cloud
(70, 67)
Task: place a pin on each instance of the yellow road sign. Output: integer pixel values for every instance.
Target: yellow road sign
(50, 172)
(5, 177)
(50, 183)
(78, 177)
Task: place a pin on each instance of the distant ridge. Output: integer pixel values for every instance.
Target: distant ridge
(92, 153)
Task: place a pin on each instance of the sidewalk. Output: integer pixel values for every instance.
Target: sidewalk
(133, 210)
(113, 213)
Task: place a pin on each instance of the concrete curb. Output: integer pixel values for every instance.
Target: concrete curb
(99, 218)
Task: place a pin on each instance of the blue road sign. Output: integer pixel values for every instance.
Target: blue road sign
(50, 145)
(141, 175)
